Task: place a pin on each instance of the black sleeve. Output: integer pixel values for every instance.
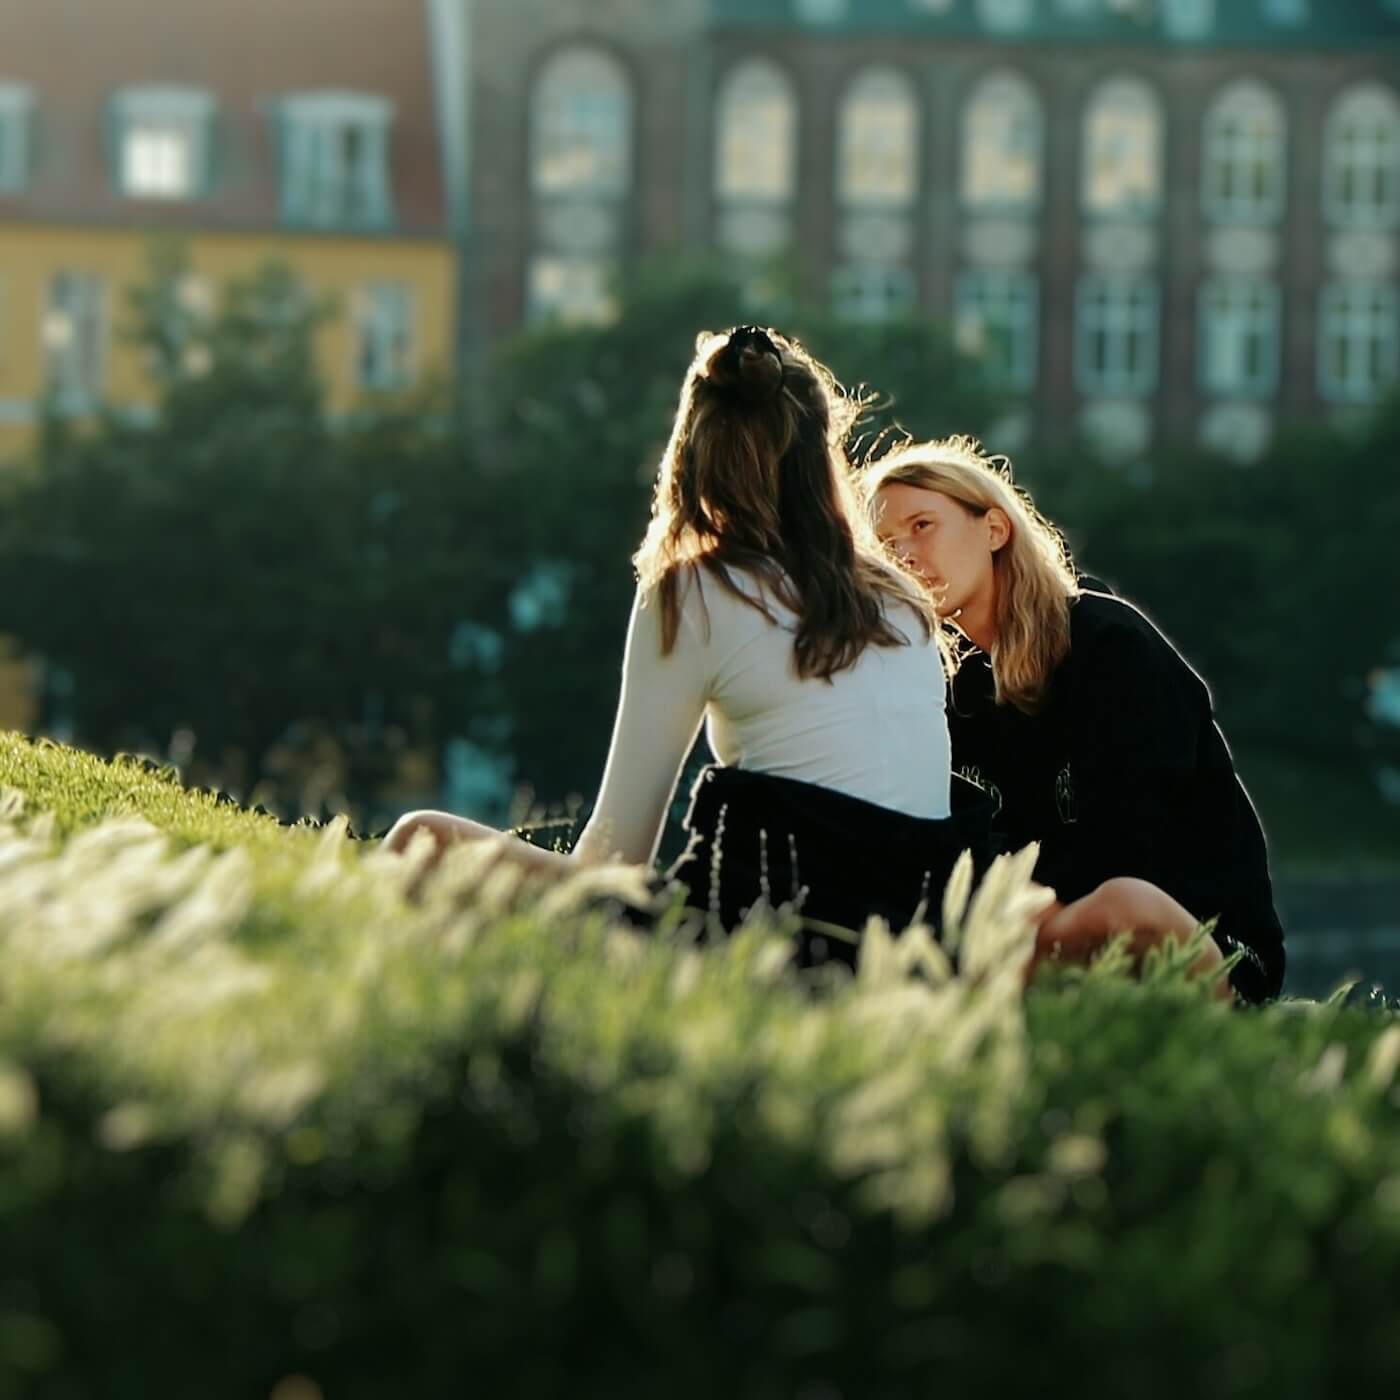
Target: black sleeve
(1152, 798)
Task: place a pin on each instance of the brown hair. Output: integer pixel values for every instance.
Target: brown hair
(755, 477)
(1034, 576)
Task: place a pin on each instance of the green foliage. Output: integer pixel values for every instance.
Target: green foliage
(263, 1117)
(242, 570)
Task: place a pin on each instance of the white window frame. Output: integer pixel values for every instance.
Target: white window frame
(582, 102)
(873, 293)
(184, 114)
(1005, 300)
(878, 123)
(1244, 132)
(1121, 309)
(1232, 311)
(317, 189)
(385, 312)
(1366, 315)
(1123, 101)
(1379, 107)
(75, 374)
(756, 114)
(1003, 127)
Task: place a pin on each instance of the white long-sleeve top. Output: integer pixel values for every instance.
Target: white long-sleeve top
(876, 731)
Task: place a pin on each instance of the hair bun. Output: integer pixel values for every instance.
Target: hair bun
(748, 364)
(760, 373)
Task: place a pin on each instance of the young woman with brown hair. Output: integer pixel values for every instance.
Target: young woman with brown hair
(1082, 721)
(767, 605)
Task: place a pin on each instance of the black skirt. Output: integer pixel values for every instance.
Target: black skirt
(836, 860)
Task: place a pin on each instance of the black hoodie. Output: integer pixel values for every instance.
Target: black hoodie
(1124, 771)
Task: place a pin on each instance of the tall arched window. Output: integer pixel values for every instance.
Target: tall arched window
(756, 135)
(1121, 176)
(1001, 147)
(878, 141)
(1242, 161)
(581, 112)
(582, 125)
(1361, 174)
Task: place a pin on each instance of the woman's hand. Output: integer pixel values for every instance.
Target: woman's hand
(447, 830)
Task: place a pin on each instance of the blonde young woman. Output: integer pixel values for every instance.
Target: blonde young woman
(767, 606)
(1081, 720)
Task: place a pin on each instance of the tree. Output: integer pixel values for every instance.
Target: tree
(238, 571)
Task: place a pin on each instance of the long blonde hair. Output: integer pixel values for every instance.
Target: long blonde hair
(756, 478)
(1035, 579)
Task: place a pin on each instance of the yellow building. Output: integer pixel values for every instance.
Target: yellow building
(252, 132)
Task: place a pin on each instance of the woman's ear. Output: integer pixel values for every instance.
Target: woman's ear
(998, 528)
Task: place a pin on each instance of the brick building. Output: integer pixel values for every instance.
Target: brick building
(1147, 216)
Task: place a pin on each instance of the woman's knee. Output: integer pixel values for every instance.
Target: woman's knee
(408, 825)
(1126, 902)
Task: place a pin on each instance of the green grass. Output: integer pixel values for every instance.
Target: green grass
(264, 1117)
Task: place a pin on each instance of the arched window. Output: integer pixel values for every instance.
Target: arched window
(581, 175)
(878, 141)
(1001, 148)
(1122, 157)
(756, 135)
(1242, 160)
(1361, 175)
(581, 126)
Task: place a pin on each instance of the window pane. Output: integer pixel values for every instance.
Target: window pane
(582, 111)
(1361, 180)
(73, 334)
(1002, 145)
(384, 358)
(158, 160)
(872, 293)
(995, 321)
(576, 291)
(1359, 341)
(1242, 176)
(756, 146)
(1116, 336)
(878, 141)
(1122, 150)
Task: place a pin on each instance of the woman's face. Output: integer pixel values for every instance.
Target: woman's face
(949, 546)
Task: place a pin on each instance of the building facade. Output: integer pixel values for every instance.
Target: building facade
(304, 134)
(1152, 219)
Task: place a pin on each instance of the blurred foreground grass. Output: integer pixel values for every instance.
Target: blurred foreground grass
(268, 1128)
